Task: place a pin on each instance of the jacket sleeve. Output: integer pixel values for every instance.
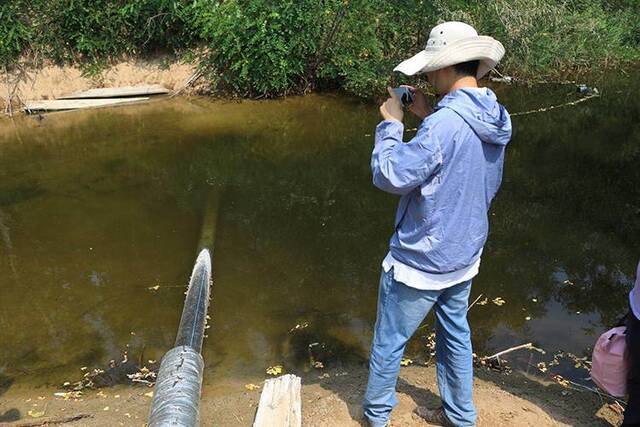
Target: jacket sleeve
(400, 167)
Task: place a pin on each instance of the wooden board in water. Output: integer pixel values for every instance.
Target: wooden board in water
(74, 104)
(118, 92)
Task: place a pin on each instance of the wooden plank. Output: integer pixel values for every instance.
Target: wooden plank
(280, 404)
(118, 92)
(74, 104)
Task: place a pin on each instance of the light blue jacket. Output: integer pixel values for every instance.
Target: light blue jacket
(447, 176)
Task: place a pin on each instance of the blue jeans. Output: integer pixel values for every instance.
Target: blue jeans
(401, 309)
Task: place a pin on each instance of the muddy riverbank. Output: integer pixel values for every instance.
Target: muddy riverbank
(329, 398)
(50, 81)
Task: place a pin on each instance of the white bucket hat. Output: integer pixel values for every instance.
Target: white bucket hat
(452, 43)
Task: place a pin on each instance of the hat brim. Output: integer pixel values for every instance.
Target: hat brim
(485, 49)
(415, 64)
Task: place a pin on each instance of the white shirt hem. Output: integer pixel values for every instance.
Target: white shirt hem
(428, 281)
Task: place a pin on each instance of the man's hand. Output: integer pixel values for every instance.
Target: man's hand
(391, 109)
(420, 107)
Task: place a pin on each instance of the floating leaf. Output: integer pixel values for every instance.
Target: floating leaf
(274, 370)
(498, 301)
(69, 395)
(251, 387)
(299, 326)
(154, 288)
(431, 341)
(35, 414)
(560, 380)
(406, 362)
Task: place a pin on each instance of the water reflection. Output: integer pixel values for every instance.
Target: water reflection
(96, 208)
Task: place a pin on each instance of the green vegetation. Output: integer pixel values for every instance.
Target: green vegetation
(262, 48)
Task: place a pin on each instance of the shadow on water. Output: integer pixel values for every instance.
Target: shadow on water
(24, 192)
(102, 214)
(12, 414)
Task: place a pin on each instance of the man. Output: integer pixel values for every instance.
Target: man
(447, 176)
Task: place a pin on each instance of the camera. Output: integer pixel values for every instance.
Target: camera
(405, 95)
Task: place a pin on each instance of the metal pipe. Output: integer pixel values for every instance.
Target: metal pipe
(194, 313)
(177, 393)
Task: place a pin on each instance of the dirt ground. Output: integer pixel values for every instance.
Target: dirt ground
(329, 398)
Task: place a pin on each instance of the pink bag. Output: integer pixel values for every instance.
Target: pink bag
(610, 362)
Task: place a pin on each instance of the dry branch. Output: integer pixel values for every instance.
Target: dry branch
(47, 421)
(528, 346)
(474, 302)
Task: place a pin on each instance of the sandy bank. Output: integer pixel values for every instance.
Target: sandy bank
(51, 81)
(329, 398)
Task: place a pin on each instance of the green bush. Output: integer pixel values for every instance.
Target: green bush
(14, 33)
(262, 48)
(90, 32)
(374, 36)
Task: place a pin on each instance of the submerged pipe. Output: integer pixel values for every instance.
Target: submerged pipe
(210, 218)
(196, 304)
(177, 393)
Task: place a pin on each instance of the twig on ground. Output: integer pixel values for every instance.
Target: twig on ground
(191, 80)
(47, 421)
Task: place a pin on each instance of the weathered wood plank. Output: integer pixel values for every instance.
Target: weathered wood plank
(74, 104)
(118, 92)
(280, 404)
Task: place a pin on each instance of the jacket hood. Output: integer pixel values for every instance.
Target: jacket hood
(479, 107)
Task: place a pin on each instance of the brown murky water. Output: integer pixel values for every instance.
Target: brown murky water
(97, 208)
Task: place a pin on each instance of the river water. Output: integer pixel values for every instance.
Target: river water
(101, 213)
